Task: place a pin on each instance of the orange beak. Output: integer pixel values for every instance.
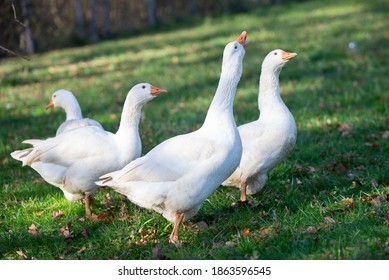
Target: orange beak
(157, 91)
(51, 104)
(288, 55)
(242, 39)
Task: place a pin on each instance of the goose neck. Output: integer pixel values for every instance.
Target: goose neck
(73, 111)
(130, 117)
(222, 102)
(269, 89)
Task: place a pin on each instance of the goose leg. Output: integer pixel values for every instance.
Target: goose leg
(88, 212)
(243, 188)
(177, 223)
(243, 198)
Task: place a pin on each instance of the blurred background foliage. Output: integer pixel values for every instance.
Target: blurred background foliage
(29, 26)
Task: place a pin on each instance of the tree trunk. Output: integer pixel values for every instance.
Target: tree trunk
(151, 7)
(193, 6)
(79, 19)
(107, 19)
(94, 37)
(26, 38)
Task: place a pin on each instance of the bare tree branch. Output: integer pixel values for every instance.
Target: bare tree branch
(13, 53)
(15, 17)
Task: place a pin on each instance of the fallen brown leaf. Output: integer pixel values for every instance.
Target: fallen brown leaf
(33, 230)
(125, 217)
(344, 129)
(267, 231)
(146, 235)
(57, 214)
(66, 231)
(356, 184)
(106, 217)
(107, 199)
(373, 145)
(230, 244)
(22, 254)
(216, 245)
(374, 183)
(83, 248)
(311, 230)
(80, 219)
(376, 202)
(85, 232)
(245, 232)
(347, 201)
(311, 169)
(201, 226)
(40, 213)
(329, 220)
(339, 167)
(94, 217)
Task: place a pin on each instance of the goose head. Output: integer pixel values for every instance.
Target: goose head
(276, 59)
(142, 93)
(61, 98)
(234, 52)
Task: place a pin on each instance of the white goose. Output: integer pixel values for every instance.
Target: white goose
(176, 176)
(65, 99)
(268, 140)
(74, 160)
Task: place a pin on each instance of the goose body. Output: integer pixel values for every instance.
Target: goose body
(176, 176)
(74, 160)
(268, 140)
(65, 99)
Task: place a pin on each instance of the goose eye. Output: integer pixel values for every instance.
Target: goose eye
(143, 86)
(235, 47)
(55, 95)
(275, 53)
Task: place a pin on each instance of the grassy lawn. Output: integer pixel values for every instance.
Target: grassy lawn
(328, 200)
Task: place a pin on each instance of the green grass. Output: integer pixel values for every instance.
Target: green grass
(328, 200)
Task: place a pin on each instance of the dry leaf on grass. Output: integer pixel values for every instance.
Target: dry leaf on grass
(348, 202)
(40, 213)
(339, 167)
(103, 217)
(245, 232)
(329, 220)
(201, 226)
(230, 244)
(33, 230)
(376, 202)
(66, 231)
(125, 217)
(22, 254)
(146, 235)
(344, 129)
(373, 145)
(83, 248)
(267, 231)
(311, 169)
(311, 230)
(374, 183)
(57, 214)
(85, 232)
(94, 217)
